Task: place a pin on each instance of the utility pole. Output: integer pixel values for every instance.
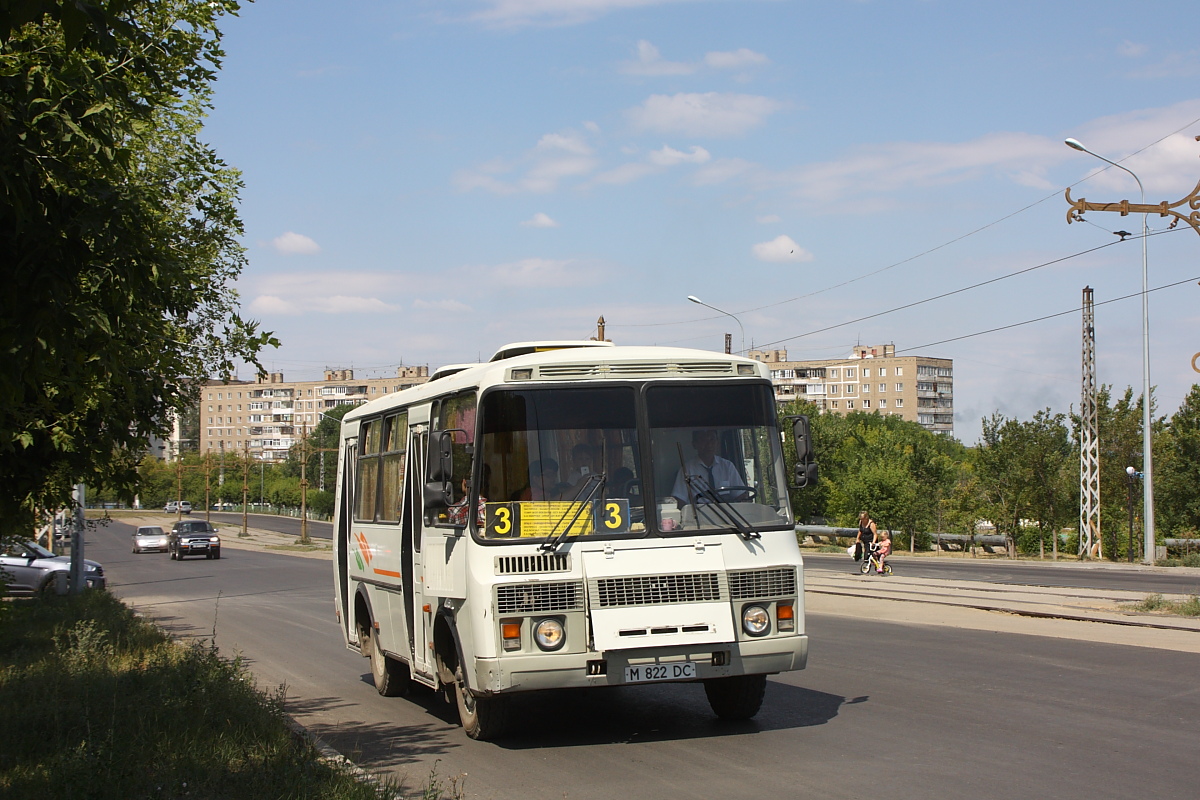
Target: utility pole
(207, 484)
(1089, 440)
(304, 485)
(245, 486)
(1163, 209)
(77, 568)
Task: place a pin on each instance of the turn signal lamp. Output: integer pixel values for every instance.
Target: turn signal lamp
(785, 615)
(510, 634)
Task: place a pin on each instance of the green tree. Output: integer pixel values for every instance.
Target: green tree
(1177, 470)
(120, 232)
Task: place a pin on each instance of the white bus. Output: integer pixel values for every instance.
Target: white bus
(572, 514)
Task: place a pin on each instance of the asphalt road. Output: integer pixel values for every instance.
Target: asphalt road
(269, 522)
(884, 709)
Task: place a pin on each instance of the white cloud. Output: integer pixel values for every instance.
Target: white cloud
(517, 13)
(669, 156)
(627, 173)
(536, 273)
(709, 114)
(735, 59)
(441, 305)
(781, 250)
(335, 292)
(540, 220)
(723, 170)
(767, 219)
(270, 305)
(650, 63)
(555, 156)
(295, 244)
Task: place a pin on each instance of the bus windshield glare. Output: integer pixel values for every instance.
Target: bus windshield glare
(569, 462)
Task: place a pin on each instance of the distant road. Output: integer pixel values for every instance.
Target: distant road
(267, 522)
(1068, 574)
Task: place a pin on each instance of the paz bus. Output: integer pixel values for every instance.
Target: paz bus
(572, 514)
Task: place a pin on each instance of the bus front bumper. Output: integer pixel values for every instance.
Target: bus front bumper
(530, 672)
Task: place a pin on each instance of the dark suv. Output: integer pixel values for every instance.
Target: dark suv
(191, 538)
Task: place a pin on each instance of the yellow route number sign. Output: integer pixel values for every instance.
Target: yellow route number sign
(539, 519)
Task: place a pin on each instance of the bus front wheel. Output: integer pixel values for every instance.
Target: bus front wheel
(483, 718)
(736, 697)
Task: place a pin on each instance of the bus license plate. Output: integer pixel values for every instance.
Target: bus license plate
(644, 673)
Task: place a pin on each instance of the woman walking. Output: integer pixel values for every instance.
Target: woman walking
(866, 535)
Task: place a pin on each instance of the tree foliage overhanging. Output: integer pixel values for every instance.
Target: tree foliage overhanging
(119, 230)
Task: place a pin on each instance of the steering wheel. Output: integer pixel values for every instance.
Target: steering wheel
(742, 492)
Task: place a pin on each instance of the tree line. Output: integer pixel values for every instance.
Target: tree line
(1022, 476)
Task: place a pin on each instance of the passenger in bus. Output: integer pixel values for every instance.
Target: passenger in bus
(457, 513)
(581, 463)
(543, 481)
(708, 470)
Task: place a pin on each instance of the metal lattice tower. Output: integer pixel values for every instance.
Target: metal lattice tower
(1089, 445)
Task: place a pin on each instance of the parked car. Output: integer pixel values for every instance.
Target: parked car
(32, 568)
(172, 507)
(185, 507)
(149, 538)
(226, 506)
(193, 537)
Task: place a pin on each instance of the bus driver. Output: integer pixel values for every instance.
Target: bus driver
(708, 470)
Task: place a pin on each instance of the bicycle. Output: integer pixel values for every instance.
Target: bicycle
(872, 563)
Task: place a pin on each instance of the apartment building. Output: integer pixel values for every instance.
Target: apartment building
(871, 378)
(267, 416)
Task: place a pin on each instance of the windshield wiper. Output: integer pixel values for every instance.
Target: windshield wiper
(593, 484)
(719, 506)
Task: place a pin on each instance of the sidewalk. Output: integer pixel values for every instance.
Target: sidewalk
(1096, 615)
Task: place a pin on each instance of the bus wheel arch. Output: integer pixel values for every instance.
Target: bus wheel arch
(364, 621)
(483, 716)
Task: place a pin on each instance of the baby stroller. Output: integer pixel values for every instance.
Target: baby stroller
(872, 562)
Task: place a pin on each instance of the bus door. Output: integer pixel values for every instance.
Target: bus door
(419, 622)
(342, 545)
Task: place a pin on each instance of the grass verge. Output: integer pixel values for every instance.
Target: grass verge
(1158, 604)
(99, 703)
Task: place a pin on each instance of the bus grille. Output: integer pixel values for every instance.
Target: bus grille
(645, 369)
(762, 583)
(531, 565)
(537, 598)
(650, 590)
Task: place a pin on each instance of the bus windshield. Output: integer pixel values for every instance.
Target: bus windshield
(717, 458)
(560, 461)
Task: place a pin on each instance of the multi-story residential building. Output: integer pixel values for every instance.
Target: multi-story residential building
(267, 416)
(873, 379)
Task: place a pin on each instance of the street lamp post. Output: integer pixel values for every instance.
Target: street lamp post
(698, 301)
(1147, 483)
(1131, 475)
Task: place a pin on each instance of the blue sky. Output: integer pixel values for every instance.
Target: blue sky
(426, 181)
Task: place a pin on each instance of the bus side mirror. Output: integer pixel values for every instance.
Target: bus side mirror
(439, 468)
(805, 473)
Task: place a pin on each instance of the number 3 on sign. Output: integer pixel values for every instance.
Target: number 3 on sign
(612, 516)
(500, 519)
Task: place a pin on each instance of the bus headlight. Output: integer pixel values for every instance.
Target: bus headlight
(549, 634)
(756, 621)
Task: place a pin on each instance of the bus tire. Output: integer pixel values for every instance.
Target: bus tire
(392, 678)
(483, 718)
(736, 697)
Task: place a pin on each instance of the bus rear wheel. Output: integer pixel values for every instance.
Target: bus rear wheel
(736, 697)
(392, 677)
(483, 718)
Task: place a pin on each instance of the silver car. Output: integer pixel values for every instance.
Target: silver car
(149, 538)
(31, 568)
